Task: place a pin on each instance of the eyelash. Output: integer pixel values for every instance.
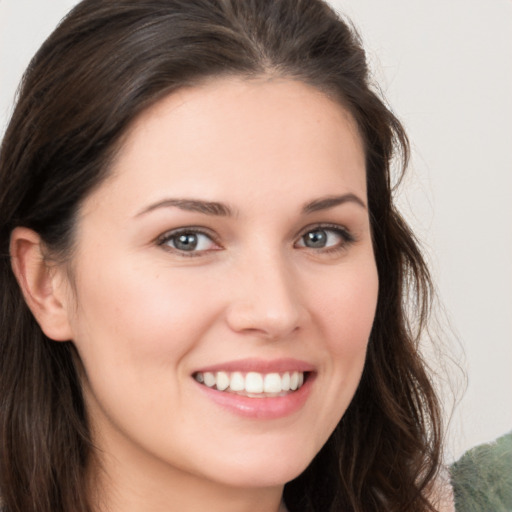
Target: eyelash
(345, 235)
(174, 234)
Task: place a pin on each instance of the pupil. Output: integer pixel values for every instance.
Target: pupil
(316, 239)
(187, 242)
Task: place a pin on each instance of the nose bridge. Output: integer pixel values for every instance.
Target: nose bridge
(265, 299)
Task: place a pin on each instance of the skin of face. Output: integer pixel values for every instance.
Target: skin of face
(145, 314)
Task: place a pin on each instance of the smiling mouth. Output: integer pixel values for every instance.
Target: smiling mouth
(253, 384)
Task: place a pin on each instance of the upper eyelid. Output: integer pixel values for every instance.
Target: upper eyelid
(187, 229)
(324, 225)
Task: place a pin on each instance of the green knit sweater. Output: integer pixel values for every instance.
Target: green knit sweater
(482, 478)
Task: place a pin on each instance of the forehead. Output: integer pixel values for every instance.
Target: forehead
(231, 136)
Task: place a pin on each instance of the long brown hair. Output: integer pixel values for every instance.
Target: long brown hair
(108, 61)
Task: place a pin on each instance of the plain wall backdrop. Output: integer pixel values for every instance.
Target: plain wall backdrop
(445, 66)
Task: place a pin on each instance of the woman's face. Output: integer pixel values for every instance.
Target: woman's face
(229, 252)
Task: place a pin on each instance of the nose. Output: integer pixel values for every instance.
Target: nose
(265, 299)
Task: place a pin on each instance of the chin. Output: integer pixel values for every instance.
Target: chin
(268, 471)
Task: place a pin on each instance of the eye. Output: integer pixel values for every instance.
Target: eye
(188, 241)
(325, 237)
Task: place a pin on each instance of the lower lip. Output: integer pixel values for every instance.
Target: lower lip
(261, 408)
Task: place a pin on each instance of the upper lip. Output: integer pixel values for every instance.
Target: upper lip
(260, 366)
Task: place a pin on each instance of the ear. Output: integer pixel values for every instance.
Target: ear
(43, 286)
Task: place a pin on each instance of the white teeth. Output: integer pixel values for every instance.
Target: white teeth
(209, 379)
(237, 382)
(253, 383)
(222, 381)
(294, 381)
(272, 383)
(285, 382)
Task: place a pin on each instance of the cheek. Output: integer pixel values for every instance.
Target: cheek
(344, 313)
(347, 310)
(134, 331)
(129, 314)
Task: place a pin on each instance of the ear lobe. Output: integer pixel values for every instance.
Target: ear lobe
(42, 286)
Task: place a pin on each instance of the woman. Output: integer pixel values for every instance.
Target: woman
(204, 277)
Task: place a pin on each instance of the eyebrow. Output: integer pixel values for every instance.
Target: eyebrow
(331, 201)
(223, 210)
(192, 205)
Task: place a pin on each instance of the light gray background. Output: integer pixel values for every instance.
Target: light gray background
(446, 68)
